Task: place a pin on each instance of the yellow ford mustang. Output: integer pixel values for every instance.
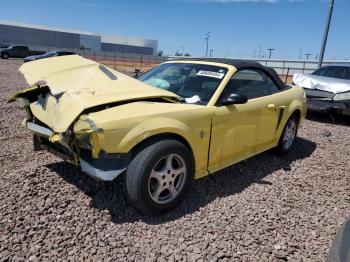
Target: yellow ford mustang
(180, 121)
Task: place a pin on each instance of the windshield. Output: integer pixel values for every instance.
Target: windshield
(341, 72)
(196, 83)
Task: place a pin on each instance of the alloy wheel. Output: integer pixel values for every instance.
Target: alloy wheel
(289, 134)
(167, 179)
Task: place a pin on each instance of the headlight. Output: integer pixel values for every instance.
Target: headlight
(342, 96)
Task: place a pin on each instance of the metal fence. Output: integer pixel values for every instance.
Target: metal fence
(284, 67)
(127, 62)
(123, 62)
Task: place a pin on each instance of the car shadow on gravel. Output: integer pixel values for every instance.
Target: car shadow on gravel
(232, 180)
(329, 118)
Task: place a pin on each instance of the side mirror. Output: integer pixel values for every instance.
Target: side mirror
(234, 99)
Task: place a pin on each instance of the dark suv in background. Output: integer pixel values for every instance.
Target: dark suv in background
(16, 51)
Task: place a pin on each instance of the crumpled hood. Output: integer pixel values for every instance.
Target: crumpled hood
(328, 84)
(76, 84)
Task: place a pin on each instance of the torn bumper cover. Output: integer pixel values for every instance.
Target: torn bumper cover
(106, 168)
(318, 100)
(315, 104)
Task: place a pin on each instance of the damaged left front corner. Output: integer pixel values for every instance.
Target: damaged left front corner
(87, 135)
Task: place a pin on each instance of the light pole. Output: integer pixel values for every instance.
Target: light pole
(211, 52)
(326, 31)
(270, 51)
(260, 48)
(207, 36)
(307, 56)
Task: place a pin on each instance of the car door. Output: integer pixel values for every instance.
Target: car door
(15, 51)
(243, 130)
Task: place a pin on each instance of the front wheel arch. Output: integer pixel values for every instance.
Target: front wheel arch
(297, 114)
(159, 137)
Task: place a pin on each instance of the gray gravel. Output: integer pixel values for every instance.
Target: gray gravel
(263, 209)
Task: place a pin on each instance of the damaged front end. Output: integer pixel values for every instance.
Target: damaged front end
(93, 159)
(64, 92)
(325, 94)
(79, 145)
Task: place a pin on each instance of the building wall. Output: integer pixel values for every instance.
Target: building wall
(30, 36)
(12, 33)
(129, 44)
(110, 47)
(91, 42)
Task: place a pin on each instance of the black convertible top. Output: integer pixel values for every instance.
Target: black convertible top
(241, 64)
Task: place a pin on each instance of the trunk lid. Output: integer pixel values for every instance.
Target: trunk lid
(63, 87)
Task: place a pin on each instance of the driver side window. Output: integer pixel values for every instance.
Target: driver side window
(252, 83)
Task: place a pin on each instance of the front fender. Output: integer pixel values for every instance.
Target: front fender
(154, 127)
(124, 140)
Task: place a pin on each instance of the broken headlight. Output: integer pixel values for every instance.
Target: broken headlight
(84, 140)
(342, 96)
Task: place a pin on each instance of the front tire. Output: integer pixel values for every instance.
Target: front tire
(159, 176)
(288, 136)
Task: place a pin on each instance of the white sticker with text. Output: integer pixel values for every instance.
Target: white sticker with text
(210, 74)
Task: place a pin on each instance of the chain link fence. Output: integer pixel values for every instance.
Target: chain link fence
(287, 68)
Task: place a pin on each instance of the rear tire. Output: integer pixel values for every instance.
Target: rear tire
(159, 176)
(288, 136)
(4, 56)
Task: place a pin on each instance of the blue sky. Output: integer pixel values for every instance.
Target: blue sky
(238, 27)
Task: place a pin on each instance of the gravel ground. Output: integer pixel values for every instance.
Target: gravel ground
(264, 209)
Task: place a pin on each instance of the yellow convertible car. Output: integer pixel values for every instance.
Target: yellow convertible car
(180, 121)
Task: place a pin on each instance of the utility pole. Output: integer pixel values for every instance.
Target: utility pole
(207, 36)
(307, 56)
(326, 31)
(260, 49)
(270, 51)
(211, 52)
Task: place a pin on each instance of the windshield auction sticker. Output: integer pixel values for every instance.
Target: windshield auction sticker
(210, 74)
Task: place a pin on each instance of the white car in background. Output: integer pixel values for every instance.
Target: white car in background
(327, 89)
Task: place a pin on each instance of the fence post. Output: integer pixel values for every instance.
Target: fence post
(115, 62)
(287, 76)
(304, 64)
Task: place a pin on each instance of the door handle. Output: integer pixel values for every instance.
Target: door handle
(271, 106)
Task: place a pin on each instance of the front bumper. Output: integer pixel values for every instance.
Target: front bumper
(106, 168)
(326, 105)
